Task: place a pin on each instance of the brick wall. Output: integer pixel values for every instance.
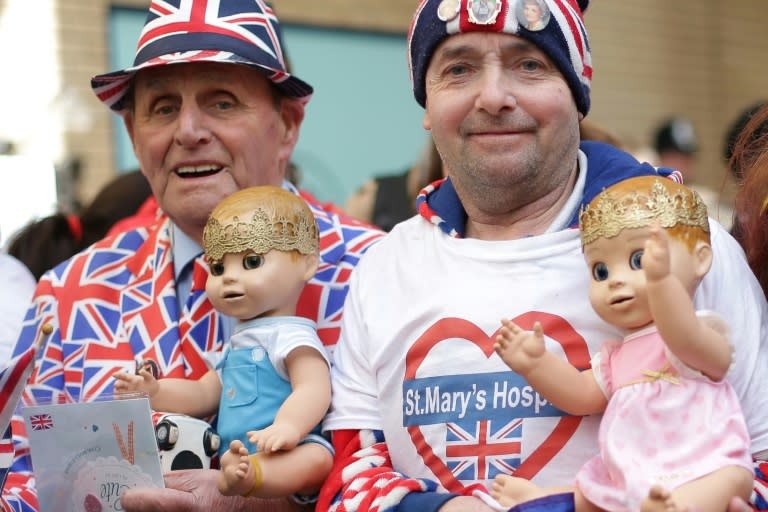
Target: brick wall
(699, 58)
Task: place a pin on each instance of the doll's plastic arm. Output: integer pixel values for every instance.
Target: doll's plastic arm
(197, 398)
(567, 388)
(656, 258)
(686, 335)
(554, 378)
(520, 349)
(143, 382)
(689, 337)
(310, 397)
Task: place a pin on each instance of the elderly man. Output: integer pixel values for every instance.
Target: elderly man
(210, 109)
(424, 414)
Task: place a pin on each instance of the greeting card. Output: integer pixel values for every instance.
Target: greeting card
(85, 455)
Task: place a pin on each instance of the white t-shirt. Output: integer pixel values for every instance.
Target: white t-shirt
(278, 336)
(416, 358)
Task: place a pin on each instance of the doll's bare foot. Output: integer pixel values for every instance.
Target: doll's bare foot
(510, 490)
(237, 475)
(659, 500)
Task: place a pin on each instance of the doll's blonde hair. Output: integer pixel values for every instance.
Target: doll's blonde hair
(641, 202)
(260, 219)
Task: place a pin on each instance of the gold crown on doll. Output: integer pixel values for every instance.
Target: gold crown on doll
(609, 216)
(260, 235)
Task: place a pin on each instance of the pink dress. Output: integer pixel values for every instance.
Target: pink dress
(665, 423)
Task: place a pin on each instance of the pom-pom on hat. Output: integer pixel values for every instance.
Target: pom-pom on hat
(555, 26)
(243, 32)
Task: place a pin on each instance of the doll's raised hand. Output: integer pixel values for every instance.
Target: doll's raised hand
(520, 349)
(283, 436)
(656, 259)
(130, 382)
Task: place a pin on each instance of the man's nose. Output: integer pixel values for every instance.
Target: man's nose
(191, 126)
(495, 91)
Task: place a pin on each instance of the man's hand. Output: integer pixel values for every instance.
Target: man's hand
(194, 490)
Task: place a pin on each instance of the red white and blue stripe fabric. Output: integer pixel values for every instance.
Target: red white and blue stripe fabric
(607, 165)
(13, 379)
(6, 455)
(115, 304)
(235, 31)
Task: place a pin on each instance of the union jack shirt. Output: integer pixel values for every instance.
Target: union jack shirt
(115, 303)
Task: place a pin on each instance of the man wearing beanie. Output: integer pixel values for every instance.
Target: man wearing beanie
(424, 414)
(211, 108)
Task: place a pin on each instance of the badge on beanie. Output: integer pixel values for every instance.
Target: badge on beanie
(448, 10)
(483, 12)
(532, 14)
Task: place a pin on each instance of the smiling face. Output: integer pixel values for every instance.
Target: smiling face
(617, 288)
(502, 118)
(204, 130)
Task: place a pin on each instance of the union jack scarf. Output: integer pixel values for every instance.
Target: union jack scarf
(198, 322)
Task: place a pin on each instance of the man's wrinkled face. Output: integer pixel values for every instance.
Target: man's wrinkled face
(202, 131)
(501, 114)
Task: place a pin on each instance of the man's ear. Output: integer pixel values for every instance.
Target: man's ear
(702, 258)
(128, 122)
(292, 113)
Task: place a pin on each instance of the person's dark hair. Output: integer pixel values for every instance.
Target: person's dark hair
(44, 243)
(750, 156)
(675, 134)
(732, 134)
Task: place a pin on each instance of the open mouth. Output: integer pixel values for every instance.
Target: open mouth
(232, 295)
(197, 171)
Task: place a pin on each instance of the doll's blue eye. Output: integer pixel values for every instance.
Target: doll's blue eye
(600, 271)
(252, 261)
(635, 261)
(216, 268)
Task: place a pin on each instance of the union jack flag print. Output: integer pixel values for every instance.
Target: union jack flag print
(116, 303)
(211, 21)
(13, 378)
(41, 421)
(480, 450)
(235, 31)
(6, 455)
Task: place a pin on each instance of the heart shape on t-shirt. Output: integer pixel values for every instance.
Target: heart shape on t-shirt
(554, 327)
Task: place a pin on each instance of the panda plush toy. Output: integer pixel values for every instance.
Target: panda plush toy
(185, 442)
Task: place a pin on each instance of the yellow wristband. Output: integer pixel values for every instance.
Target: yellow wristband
(257, 476)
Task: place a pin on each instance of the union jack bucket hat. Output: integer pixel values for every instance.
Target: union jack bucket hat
(555, 26)
(245, 32)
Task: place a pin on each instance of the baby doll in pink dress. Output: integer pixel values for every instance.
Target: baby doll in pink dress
(672, 434)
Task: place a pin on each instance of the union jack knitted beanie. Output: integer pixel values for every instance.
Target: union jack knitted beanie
(243, 32)
(555, 26)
